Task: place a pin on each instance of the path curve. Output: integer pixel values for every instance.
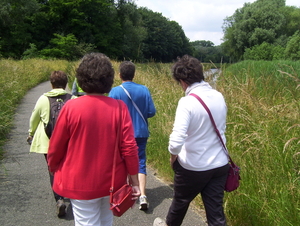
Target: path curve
(25, 195)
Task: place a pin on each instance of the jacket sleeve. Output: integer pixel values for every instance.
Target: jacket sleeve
(180, 127)
(39, 113)
(151, 110)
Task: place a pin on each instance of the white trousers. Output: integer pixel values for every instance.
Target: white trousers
(93, 212)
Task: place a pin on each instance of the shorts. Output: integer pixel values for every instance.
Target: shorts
(141, 143)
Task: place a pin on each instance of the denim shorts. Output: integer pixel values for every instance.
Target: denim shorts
(141, 143)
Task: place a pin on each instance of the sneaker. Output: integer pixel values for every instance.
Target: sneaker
(159, 222)
(61, 208)
(143, 203)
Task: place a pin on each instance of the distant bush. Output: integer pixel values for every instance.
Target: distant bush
(264, 51)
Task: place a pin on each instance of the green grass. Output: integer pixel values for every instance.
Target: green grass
(263, 134)
(263, 137)
(16, 78)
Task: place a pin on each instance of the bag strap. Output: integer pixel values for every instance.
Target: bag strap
(64, 97)
(213, 122)
(115, 152)
(134, 104)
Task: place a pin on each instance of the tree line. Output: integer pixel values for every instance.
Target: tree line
(67, 29)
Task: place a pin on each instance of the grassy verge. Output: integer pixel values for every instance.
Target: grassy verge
(263, 136)
(16, 78)
(263, 133)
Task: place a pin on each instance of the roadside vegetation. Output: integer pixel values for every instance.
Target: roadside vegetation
(263, 137)
(263, 134)
(16, 78)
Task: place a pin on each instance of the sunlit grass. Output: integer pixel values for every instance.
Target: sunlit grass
(263, 137)
(16, 78)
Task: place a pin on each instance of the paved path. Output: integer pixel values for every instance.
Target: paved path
(25, 194)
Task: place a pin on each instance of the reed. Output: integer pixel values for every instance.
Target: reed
(263, 138)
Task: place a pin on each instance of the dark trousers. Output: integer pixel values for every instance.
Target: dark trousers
(56, 196)
(188, 184)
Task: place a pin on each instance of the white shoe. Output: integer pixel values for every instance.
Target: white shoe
(159, 222)
(144, 204)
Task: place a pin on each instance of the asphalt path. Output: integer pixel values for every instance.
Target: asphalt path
(27, 199)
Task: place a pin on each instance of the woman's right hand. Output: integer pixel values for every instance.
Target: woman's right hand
(136, 192)
(173, 159)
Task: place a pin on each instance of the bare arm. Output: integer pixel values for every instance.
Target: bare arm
(134, 180)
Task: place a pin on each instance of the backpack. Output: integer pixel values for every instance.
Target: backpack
(56, 104)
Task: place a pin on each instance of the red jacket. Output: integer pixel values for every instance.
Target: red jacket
(82, 146)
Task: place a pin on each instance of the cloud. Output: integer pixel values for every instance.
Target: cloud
(200, 20)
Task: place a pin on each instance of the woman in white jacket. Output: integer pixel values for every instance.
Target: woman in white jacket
(197, 156)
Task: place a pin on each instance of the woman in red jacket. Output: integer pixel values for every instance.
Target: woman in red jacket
(82, 145)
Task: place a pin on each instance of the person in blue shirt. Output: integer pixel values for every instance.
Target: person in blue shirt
(138, 99)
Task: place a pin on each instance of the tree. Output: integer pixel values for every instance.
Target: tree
(253, 24)
(165, 39)
(14, 16)
(62, 47)
(90, 21)
(206, 51)
(292, 50)
(132, 31)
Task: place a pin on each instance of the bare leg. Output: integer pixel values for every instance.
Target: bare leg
(142, 180)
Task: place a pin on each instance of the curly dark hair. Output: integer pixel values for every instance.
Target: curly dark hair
(95, 73)
(127, 70)
(58, 79)
(188, 69)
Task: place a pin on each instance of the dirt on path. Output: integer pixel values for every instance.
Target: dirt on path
(26, 198)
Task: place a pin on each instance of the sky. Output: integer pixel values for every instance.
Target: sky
(200, 19)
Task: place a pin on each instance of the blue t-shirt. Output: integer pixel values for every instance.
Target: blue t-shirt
(140, 94)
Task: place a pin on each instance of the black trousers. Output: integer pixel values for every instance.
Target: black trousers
(56, 196)
(188, 184)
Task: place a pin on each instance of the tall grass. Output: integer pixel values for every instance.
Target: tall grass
(262, 128)
(263, 137)
(16, 78)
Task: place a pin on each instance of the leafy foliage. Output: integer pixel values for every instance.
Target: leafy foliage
(165, 39)
(264, 51)
(205, 51)
(263, 21)
(67, 29)
(292, 50)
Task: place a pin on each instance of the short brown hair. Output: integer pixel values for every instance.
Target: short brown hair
(188, 69)
(59, 79)
(127, 70)
(95, 73)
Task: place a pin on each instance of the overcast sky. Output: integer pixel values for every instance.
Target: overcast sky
(200, 19)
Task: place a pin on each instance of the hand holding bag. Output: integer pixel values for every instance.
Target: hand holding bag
(233, 179)
(120, 200)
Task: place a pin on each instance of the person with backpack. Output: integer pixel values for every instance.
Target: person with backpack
(44, 114)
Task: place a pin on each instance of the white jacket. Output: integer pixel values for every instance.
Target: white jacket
(193, 138)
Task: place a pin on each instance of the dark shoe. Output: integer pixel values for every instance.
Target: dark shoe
(61, 208)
